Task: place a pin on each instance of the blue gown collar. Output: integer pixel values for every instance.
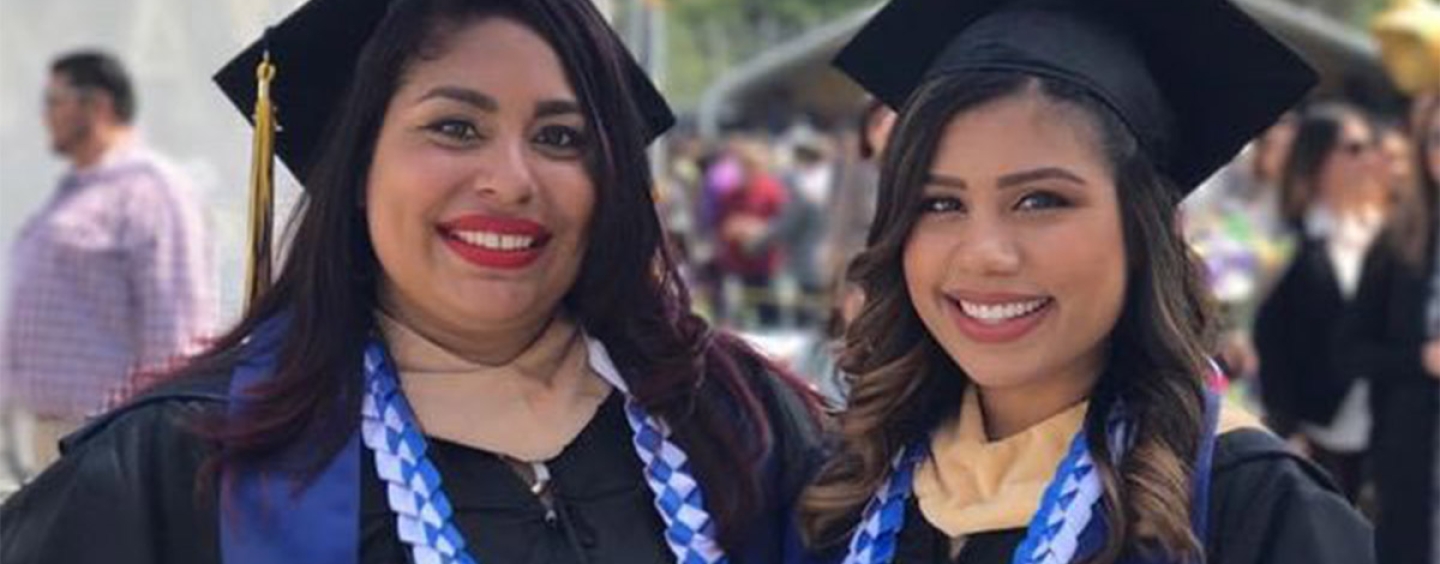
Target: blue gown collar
(264, 518)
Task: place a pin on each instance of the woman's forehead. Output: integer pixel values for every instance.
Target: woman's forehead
(1020, 127)
(494, 54)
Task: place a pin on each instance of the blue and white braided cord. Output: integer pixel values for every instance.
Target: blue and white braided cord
(875, 539)
(689, 530)
(1053, 537)
(1070, 501)
(1066, 509)
(422, 510)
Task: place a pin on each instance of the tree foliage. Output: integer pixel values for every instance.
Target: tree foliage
(1354, 12)
(707, 37)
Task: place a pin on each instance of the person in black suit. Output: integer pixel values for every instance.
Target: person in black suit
(1393, 336)
(1325, 189)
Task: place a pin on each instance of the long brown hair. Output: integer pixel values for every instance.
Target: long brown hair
(628, 293)
(904, 383)
(1411, 232)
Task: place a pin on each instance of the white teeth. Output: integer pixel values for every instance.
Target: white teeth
(996, 313)
(495, 241)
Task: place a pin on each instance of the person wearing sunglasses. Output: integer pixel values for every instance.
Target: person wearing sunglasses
(1328, 198)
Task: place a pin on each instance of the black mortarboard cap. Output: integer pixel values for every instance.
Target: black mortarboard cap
(315, 50)
(1194, 80)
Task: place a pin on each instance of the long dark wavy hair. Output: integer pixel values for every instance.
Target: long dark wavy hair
(1410, 234)
(628, 293)
(905, 384)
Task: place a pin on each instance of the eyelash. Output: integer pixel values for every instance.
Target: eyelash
(1055, 200)
(461, 131)
(447, 128)
(576, 138)
(940, 204)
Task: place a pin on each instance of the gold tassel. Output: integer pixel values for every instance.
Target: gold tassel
(262, 185)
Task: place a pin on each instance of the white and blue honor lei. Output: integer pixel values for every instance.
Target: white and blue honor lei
(423, 512)
(1053, 536)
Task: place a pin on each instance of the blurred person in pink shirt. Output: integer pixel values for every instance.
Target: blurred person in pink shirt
(110, 277)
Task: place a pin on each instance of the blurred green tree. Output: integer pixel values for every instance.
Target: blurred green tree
(706, 37)
(1354, 12)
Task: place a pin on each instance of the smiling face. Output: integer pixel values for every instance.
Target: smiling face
(1016, 263)
(478, 198)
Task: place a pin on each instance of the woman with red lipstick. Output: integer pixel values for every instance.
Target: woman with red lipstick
(1031, 356)
(477, 348)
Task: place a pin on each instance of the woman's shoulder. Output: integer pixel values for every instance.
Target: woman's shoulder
(156, 429)
(153, 434)
(1258, 460)
(167, 408)
(1246, 454)
(792, 407)
(124, 478)
(1268, 504)
(794, 452)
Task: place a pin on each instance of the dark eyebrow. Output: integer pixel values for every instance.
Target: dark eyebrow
(1046, 173)
(480, 100)
(942, 180)
(1012, 179)
(549, 108)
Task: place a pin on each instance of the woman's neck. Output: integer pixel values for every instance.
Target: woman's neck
(1012, 410)
(547, 390)
(534, 349)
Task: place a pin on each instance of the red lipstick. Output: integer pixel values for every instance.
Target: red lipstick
(495, 242)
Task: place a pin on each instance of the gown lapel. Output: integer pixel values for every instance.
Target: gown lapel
(264, 519)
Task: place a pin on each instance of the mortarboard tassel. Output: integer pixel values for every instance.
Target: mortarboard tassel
(262, 184)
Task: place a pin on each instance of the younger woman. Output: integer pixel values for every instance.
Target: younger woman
(1031, 356)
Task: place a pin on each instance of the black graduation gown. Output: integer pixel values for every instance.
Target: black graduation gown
(1381, 339)
(124, 493)
(1266, 507)
(1299, 317)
